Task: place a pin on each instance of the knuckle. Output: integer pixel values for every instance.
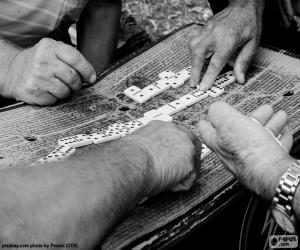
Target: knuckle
(74, 56)
(45, 43)
(216, 62)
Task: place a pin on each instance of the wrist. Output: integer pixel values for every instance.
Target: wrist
(6, 84)
(276, 170)
(259, 5)
(136, 155)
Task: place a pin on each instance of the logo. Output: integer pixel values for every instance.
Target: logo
(283, 241)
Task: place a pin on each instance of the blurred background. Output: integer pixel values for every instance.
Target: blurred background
(159, 18)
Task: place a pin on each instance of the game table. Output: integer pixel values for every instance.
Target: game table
(29, 133)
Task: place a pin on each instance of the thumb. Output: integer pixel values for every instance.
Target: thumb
(243, 60)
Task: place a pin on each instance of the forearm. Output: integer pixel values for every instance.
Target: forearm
(98, 30)
(8, 52)
(75, 201)
(258, 4)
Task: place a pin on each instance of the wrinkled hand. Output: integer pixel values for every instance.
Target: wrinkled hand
(48, 71)
(174, 155)
(247, 148)
(237, 27)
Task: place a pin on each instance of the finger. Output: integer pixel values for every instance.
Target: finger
(215, 66)
(43, 98)
(208, 134)
(243, 60)
(263, 114)
(56, 88)
(185, 184)
(68, 75)
(288, 9)
(277, 123)
(287, 140)
(221, 113)
(73, 57)
(198, 59)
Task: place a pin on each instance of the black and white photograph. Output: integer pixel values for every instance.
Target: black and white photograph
(150, 125)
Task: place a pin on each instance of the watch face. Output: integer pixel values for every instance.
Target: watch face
(283, 220)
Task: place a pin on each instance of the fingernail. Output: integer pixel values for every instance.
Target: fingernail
(201, 87)
(93, 78)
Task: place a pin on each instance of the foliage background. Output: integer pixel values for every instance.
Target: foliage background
(160, 17)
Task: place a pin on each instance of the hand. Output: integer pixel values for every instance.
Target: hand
(286, 11)
(237, 27)
(174, 155)
(247, 148)
(46, 72)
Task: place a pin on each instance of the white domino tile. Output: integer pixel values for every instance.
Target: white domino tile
(205, 151)
(145, 120)
(166, 74)
(132, 90)
(105, 136)
(178, 105)
(180, 78)
(64, 155)
(152, 113)
(141, 96)
(164, 118)
(189, 99)
(76, 141)
(163, 84)
(167, 110)
(60, 153)
(200, 95)
(215, 91)
(152, 90)
(225, 79)
(130, 127)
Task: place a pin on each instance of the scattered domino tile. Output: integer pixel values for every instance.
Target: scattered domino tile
(180, 78)
(105, 136)
(145, 120)
(225, 79)
(166, 74)
(189, 99)
(164, 118)
(152, 90)
(132, 90)
(178, 105)
(205, 151)
(163, 84)
(215, 91)
(141, 97)
(152, 113)
(64, 155)
(167, 110)
(199, 94)
(60, 153)
(76, 141)
(130, 127)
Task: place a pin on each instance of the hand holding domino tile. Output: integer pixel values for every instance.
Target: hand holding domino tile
(247, 148)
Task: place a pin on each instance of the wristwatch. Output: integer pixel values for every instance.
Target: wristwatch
(282, 204)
